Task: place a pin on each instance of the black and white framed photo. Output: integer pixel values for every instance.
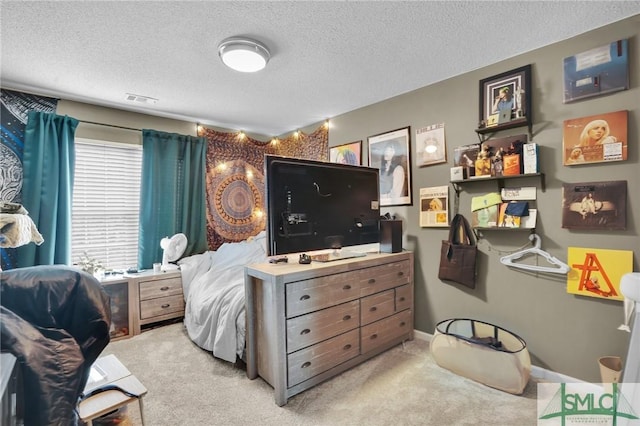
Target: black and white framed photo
(508, 93)
(430, 145)
(390, 152)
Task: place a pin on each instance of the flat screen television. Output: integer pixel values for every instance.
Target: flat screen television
(314, 205)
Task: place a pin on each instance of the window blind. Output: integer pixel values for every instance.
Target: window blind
(106, 198)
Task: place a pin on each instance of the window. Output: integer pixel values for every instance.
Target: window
(106, 198)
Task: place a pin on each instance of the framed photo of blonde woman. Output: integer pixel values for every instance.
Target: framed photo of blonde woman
(390, 153)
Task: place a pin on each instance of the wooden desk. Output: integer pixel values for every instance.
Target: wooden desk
(113, 373)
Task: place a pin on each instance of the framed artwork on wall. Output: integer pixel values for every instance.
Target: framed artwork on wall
(505, 99)
(390, 152)
(595, 205)
(595, 139)
(430, 145)
(598, 71)
(348, 153)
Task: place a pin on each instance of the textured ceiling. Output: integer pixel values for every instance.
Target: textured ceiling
(328, 57)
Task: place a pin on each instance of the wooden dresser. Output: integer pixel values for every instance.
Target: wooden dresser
(308, 323)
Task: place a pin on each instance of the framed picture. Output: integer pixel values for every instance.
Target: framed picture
(598, 71)
(348, 153)
(597, 272)
(595, 205)
(505, 99)
(434, 206)
(595, 139)
(390, 153)
(430, 145)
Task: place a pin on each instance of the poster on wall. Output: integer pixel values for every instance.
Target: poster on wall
(595, 139)
(430, 145)
(598, 71)
(390, 153)
(597, 272)
(434, 206)
(595, 205)
(348, 153)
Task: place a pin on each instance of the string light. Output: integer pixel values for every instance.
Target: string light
(296, 134)
(258, 213)
(274, 141)
(199, 128)
(326, 123)
(249, 174)
(241, 135)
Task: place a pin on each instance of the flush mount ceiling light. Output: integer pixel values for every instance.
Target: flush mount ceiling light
(243, 54)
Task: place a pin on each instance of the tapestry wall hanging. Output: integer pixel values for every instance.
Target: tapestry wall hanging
(235, 179)
(15, 108)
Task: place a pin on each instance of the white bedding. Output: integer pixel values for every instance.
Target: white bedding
(213, 284)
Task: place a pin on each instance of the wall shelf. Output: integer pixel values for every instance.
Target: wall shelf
(500, 179)
(518, 122)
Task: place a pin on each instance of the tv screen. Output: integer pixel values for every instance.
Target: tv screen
(314, 205)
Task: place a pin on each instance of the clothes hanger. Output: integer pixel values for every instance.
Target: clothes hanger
(559, 268)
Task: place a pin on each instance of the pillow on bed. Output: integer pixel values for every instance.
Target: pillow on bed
(193, 266)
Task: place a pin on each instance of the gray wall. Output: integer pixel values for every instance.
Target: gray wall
(564, 332)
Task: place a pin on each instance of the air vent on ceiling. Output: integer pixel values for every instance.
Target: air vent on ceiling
(140, 99)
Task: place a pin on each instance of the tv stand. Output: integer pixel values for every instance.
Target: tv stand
(309, 323)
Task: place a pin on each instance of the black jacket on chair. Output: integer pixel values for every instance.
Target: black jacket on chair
(55, 320)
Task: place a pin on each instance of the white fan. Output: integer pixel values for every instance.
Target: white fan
(172, 250)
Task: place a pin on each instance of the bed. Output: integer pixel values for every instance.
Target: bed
(213, 284)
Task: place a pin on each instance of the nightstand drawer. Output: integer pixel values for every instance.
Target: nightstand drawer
(160, 288)
(161, 306)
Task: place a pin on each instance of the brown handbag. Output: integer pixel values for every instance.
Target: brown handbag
(458, 254)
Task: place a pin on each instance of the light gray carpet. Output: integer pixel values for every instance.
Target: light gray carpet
(403, 386)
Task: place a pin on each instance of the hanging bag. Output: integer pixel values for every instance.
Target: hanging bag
(458, 254)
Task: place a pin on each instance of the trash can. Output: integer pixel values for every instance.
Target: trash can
(610, 369)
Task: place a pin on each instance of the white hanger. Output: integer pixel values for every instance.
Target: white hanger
(560, 267)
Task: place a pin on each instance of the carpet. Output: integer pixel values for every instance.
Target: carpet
(188, 386)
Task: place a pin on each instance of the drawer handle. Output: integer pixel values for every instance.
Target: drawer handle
(346, 318)
(402, 324)
(165, 288)
(346, 287)
(402, 299)
(165, 306)
(306, 364)
(372, 280)
(305, 297)
(373, 309)
(305, 331)
(400, 273)
(373, 336)
(347, 347)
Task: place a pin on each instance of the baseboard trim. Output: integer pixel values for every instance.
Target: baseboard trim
(537, 373)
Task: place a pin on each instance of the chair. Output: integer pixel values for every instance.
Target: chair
(55, 320)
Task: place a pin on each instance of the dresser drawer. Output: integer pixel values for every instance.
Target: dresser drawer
(310, 295)
(404, 298)
(160, 288)
(321, 325)
(309, 362)
(161, 306)
(383, 277)
(382, 332)
(377, 306)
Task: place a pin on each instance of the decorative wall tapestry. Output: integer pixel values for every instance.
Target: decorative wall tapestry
(15, 107)
(235, 179)
(597, 272)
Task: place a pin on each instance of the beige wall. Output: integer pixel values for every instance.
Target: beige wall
(565, 333)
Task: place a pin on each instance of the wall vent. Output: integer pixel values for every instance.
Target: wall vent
(140, 99)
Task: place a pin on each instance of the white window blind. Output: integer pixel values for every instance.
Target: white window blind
(106, 198)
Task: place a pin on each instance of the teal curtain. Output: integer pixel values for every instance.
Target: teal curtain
(47, 187)
(172, 193)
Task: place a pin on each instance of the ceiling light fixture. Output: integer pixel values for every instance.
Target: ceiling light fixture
(243, 54)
